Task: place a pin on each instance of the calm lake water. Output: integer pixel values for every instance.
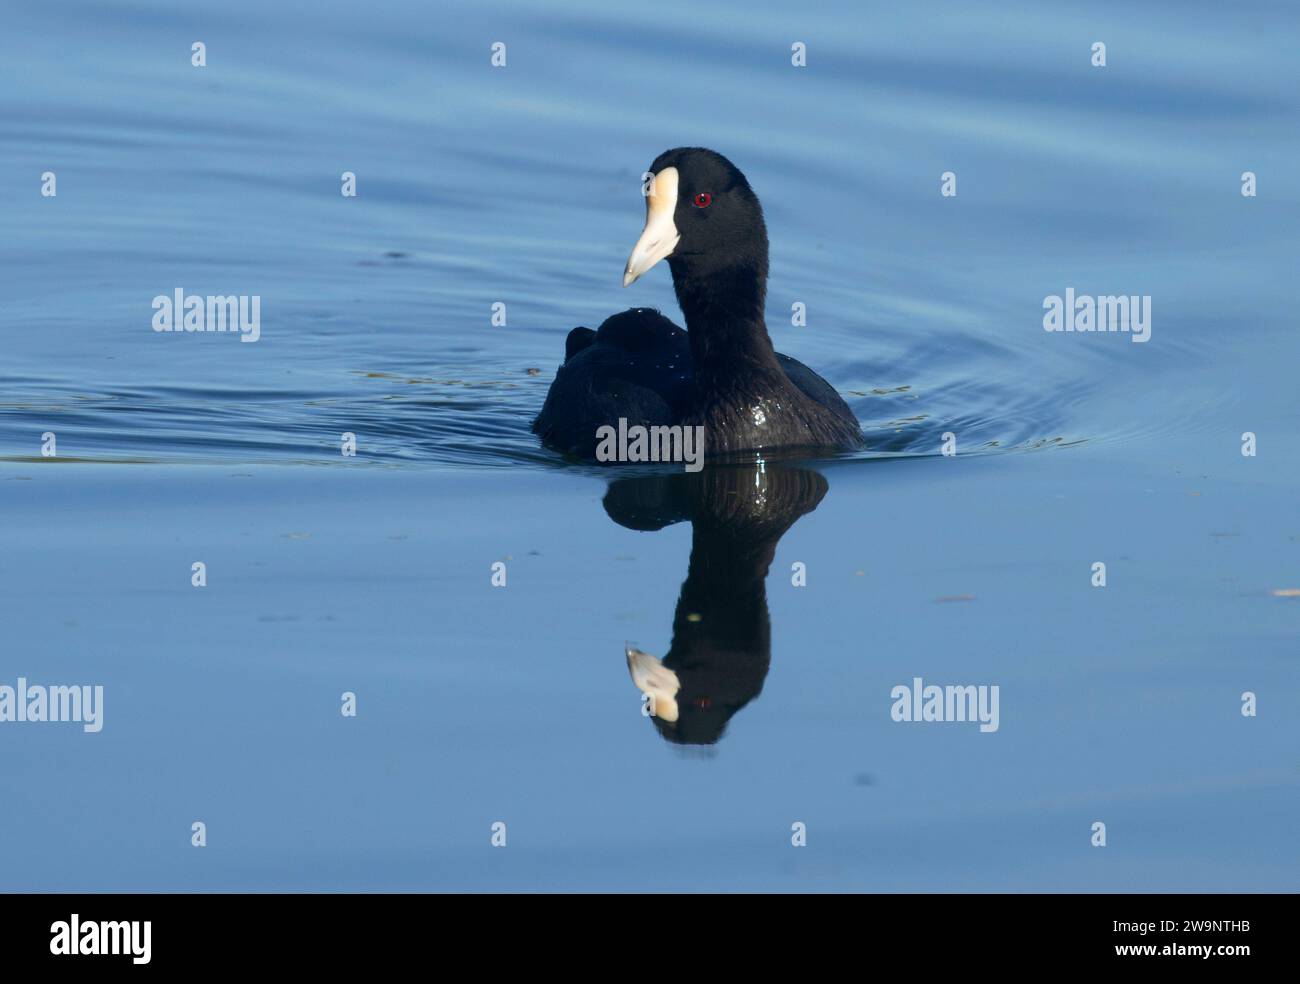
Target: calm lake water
(519, 185)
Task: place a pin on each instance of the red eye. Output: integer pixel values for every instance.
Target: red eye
(703, 200)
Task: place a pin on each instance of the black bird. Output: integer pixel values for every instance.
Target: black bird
(703, 217)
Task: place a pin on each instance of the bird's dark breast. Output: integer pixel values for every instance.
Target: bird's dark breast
(783, 411)
(785, 405)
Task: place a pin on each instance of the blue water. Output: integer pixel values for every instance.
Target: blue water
(520, 185)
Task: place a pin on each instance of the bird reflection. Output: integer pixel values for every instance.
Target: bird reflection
(722, 638)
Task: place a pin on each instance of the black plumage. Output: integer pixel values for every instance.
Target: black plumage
(722, 373)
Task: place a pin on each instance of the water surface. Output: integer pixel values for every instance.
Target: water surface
(519, 186)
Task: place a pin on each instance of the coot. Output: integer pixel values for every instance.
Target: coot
(722, 373)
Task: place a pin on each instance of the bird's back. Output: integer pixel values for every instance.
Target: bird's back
(637, 367)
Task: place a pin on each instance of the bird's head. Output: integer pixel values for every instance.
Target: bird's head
(701, 215)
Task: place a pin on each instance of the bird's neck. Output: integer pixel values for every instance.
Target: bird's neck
(724, 318)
